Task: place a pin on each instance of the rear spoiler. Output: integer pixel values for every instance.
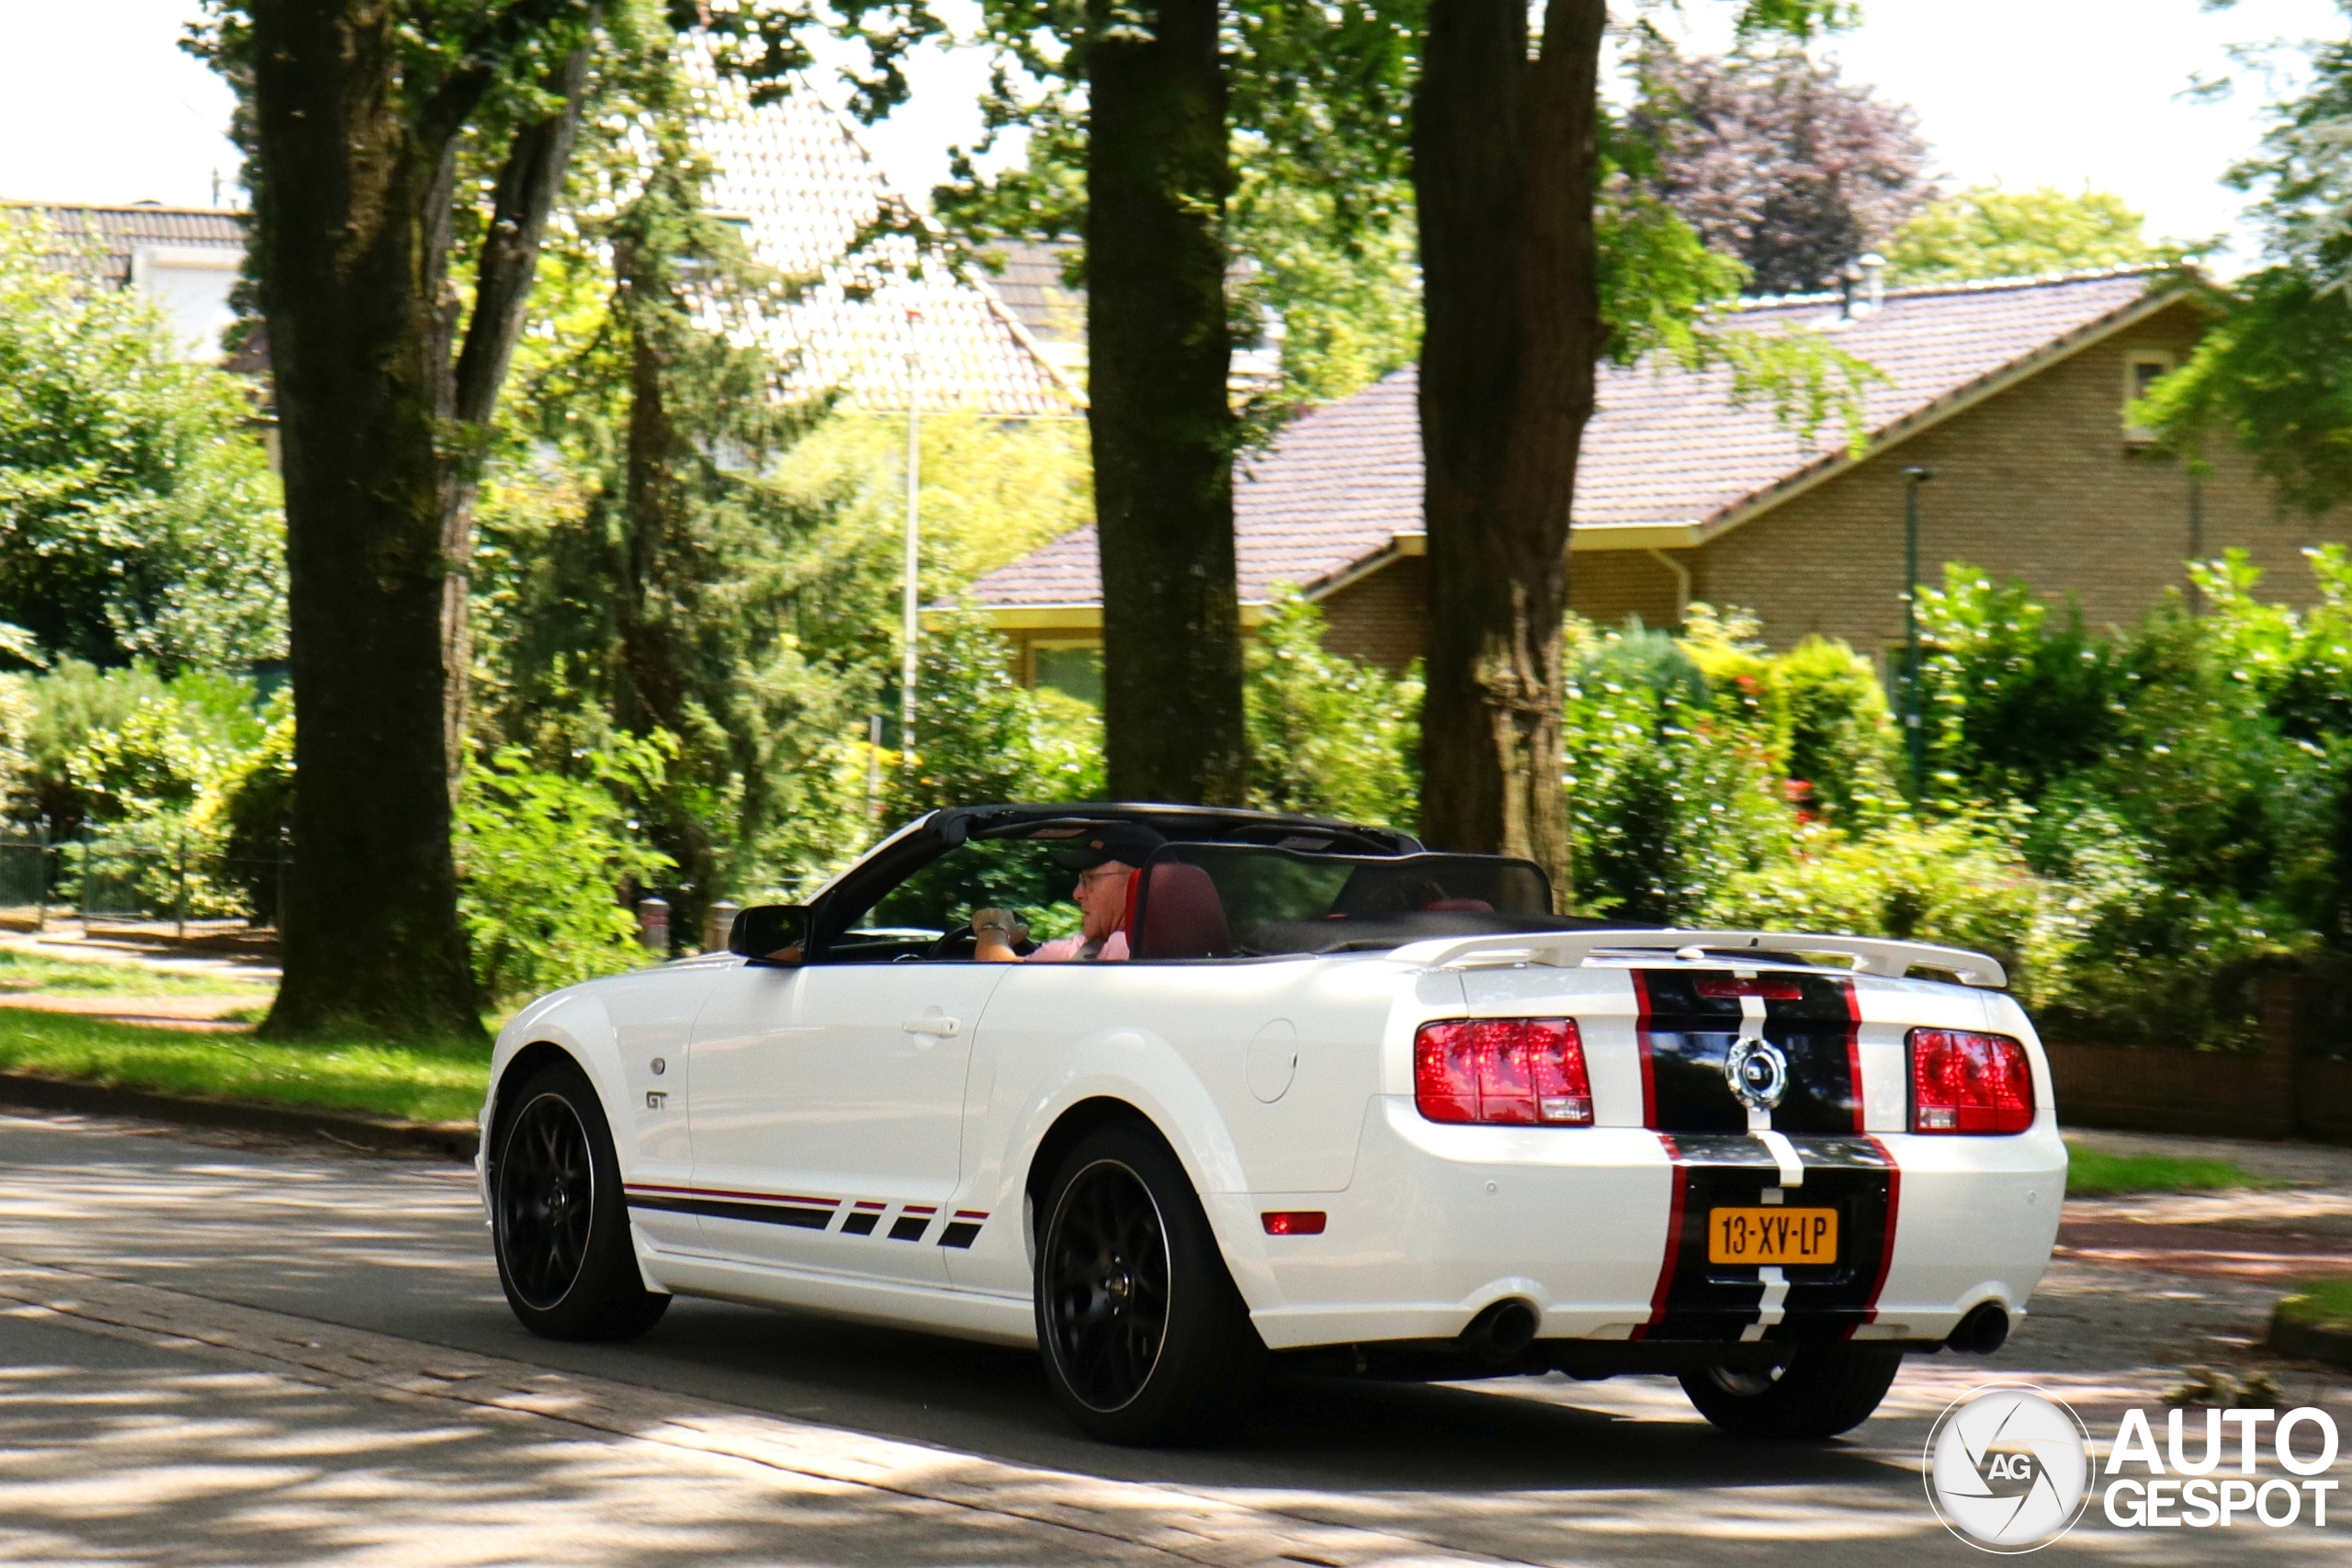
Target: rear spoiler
(1570, 950)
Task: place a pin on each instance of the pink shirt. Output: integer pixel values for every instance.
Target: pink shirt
(1069, 949)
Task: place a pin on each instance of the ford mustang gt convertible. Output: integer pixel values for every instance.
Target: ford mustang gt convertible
(1177, 1094)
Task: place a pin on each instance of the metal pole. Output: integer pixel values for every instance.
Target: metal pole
(914, 628)
(1915, 729)
(2196, 536)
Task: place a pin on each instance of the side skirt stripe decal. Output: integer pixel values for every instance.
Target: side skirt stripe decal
(722, 1209)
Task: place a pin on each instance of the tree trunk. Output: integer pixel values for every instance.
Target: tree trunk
(352, 236)
(1157, 180)
(1504, 163)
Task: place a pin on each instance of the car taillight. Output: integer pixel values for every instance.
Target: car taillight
(1510, 1071)
(1964, 1082)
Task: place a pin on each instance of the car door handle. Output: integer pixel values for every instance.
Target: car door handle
(932, 1023)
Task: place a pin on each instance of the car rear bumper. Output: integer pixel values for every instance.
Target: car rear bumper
(1601, 1232)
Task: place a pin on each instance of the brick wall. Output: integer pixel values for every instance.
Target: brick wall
(1606, 586)
(1383, 618)
(2036, 482)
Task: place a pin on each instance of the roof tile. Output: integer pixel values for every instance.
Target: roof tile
(1667, 445)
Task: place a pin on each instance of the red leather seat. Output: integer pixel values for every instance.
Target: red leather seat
(1182, 916)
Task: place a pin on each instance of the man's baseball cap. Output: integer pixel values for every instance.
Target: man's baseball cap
(1129, 843)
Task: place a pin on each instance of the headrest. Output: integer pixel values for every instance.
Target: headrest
(1184, 917)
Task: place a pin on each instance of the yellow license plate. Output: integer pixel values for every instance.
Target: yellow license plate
(1772, 1235)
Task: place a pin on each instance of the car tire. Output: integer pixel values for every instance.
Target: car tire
(558, 1221)
(1144, 1339)
(1823, 1390)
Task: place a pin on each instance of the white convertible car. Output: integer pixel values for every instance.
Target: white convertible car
(1321, 1097)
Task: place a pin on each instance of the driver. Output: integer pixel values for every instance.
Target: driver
(1104, 863)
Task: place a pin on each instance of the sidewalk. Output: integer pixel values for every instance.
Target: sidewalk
(227, 952)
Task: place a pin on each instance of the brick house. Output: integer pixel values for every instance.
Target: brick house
(2013, 391)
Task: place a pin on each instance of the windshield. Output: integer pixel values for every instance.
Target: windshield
(1246, 900)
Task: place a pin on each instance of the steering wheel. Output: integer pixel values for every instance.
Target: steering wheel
(961, 943)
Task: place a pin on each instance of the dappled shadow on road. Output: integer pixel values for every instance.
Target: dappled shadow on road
(156, 1458)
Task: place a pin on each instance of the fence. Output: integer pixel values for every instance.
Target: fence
(115, 884)
(2297, 1086)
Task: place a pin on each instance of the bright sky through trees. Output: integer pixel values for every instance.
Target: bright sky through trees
(96, 104)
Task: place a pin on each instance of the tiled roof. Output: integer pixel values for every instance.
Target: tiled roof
(1667, 446)
(115, 231)
(1031, 287)
(810, 192)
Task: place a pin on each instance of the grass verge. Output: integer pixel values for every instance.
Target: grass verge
(91, 977)
(423, 1083)
(2095, 1173)
(2325, 1302)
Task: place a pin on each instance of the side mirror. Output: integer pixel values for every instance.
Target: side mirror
(770, 933)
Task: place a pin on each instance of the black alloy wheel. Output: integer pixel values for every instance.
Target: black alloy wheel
(1104, 1280)
(547, 1196)
(559, 1225)
(1144, 1337)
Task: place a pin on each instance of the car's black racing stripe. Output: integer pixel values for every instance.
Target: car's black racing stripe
(1697, 1299)
(1688, 1018)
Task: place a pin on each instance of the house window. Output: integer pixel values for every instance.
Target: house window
(2142, 368)
(1072, 668)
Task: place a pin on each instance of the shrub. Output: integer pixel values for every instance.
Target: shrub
(1328, 736)
(544, 860)
(1670, 792)
(1958, 883)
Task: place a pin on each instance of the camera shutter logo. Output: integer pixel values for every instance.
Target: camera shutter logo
(2008, 1468)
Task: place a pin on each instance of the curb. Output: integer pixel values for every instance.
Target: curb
(2311, 1341)
(384, 1135)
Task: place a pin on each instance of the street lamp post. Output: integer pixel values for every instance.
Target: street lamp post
(913, 628)
(1915, 732)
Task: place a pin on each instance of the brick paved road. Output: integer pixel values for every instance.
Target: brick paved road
(232, 1351)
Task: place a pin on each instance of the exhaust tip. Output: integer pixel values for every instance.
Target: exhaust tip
(1985, 1330)
(1504, 1328)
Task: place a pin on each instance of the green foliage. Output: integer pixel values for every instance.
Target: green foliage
(2010, 704)
(1957, 882)
(2270, 376)
(979, 737)
(137, 514)
(1985, 231)
(1328, 736)
(1349, 304)
(1834, 733)
(545, 859)
(1670, 792)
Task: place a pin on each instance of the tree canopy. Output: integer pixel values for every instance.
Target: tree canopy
(2273, 374)
(1776, 161)
(1985, 231)
(137, 514)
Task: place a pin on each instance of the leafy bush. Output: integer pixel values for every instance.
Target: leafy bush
(1959, 883)
(1670, 792)
(1328, 736)
(545, 859)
